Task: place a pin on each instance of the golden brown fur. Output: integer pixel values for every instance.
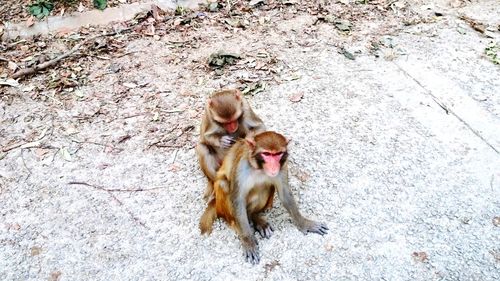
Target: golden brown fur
(225, 105)
(244, 190)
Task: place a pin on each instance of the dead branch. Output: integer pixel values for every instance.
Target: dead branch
(35, 143)
(32, 70)
(110, 193)
(114, 189)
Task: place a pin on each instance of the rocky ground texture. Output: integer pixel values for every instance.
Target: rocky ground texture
(392, 108)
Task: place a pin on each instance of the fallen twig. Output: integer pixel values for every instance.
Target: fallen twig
(27, 144)
(126, 54)
(155, 143)
(109, 191)
(172, 111)
(24, 163)
(114, 189)
(98, 143)
(476, 25)
(32, 70)
(50, 63)
(15, 43)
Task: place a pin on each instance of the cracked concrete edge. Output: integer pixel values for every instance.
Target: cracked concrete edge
(454, 101)
(121, 13)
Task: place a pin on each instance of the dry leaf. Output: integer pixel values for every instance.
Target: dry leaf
(173, 168)
(155, 10)
(103, 166)
(130, 85)
(297, 97)
(40, 152)
(55, 276)
(108, 149)
(420, 256)
(30, 21)
(12, 66)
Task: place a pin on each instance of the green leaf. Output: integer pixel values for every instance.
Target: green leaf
(41, 8)
(45, 11)
(100, 4)
(35, 10)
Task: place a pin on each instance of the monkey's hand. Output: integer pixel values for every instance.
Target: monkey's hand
(314, 227)
(227, 141)
(250, 249)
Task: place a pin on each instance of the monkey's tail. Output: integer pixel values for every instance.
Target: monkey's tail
(208, 218)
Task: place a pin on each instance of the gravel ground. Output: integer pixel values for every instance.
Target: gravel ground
(407, 183)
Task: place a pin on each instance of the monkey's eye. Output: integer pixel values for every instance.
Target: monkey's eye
(266, 154)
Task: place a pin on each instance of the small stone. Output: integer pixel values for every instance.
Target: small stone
(35, 251)
(496, 221)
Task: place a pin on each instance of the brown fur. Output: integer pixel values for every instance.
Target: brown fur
(225, 105)
(257, 190)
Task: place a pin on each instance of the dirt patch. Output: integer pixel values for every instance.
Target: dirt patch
(147, 69)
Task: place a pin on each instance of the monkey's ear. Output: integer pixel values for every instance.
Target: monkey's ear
(237, 94)
(250, 143)
(288, 141)
(210, 102)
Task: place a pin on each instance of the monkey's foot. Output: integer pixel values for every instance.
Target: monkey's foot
(252, 256)
(250, 250)
(314, 227)
(263, 227)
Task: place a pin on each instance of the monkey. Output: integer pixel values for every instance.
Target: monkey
(253, 169)
(227, 117)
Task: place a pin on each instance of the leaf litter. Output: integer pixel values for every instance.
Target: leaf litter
(141, 72)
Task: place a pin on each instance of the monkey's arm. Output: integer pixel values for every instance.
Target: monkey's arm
(254, 125)
(212, 138)
(303, 224)
(243, 228)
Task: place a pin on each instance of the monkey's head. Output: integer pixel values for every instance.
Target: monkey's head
(268, 151)
(226, 109)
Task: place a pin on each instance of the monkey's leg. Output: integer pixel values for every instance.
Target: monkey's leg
(262, 226)
(208, 218)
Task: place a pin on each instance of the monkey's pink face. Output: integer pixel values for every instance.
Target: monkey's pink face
(231, 127)
(272, 162)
